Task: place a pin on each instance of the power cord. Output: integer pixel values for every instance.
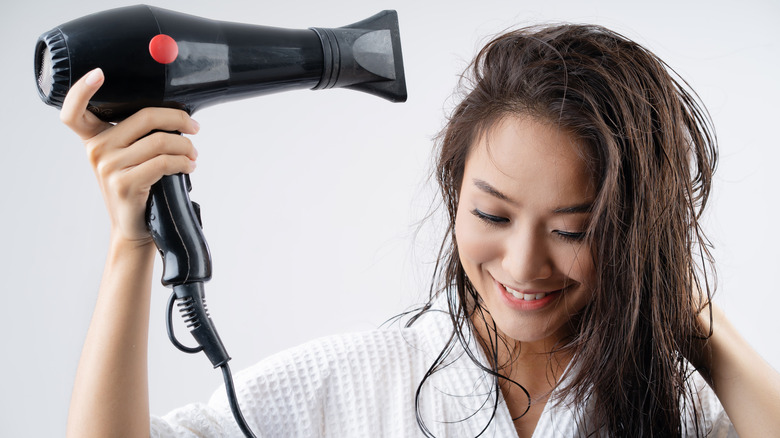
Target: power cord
(195, 314)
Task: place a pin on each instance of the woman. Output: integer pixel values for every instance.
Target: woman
(572, 295)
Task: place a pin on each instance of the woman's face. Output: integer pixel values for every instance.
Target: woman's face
(523, 208)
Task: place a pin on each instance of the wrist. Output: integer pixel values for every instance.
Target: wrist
(120, 242)
(131, 250)
(721, 338)
(128, 270)
(699, 350)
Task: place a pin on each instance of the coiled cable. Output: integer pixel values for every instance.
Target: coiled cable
(193, 310)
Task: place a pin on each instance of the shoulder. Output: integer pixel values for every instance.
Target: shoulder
(329, 359)
(356, 384)
(354, 354)
(702, 413)
(372, 383)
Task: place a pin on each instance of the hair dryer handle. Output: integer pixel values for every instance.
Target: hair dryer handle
(175, 224)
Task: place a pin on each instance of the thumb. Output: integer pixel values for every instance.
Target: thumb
(74, 112)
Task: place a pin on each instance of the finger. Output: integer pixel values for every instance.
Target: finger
(74, 108)
(149, 172)
(159, 143)
(150, 119)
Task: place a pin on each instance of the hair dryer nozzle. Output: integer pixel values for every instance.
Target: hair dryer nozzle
(364, 56)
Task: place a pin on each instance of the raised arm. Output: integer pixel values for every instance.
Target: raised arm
(746, 385)
(110, 394)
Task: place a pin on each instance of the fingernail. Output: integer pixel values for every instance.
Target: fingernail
(94, 76)
(193, 165)
(195, 125)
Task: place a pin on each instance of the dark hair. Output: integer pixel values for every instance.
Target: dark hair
(652, 147)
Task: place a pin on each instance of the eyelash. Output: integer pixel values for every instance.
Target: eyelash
(489, 219)
(495, 221)
(570, 237)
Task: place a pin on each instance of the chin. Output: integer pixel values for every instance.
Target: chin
(547, 321)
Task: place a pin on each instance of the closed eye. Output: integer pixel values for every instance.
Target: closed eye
(489, 219)
(494, 221)
(570, 236)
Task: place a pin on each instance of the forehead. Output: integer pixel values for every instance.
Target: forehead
(519, 155)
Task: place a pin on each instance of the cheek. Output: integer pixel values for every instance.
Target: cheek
(582, 266)
(476, 245)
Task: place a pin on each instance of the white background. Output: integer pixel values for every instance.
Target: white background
(311, 200)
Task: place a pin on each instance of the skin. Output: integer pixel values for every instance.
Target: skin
(519, 225)
(513, 230)
(110, 393)
(746, 385)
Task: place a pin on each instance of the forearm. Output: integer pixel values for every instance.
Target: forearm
(746, 385)
(110, 394)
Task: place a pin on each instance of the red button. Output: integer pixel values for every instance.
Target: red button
(163, 49)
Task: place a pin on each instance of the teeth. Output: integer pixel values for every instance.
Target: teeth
(525, 297)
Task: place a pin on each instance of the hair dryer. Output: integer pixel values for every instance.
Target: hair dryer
(156, 57)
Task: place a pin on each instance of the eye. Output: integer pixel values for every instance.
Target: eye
(569, 236)
(489, 219)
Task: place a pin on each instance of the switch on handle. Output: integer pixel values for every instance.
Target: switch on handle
(175, 225)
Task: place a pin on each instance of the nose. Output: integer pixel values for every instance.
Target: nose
(527, 257)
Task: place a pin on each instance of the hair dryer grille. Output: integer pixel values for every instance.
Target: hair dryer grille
(52, 68)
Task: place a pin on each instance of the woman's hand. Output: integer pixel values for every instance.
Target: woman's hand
(110, 395)
(126, 160)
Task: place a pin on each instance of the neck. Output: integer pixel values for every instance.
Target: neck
(537, 365)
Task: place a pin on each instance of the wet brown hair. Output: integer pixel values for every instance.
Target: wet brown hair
(653, 149)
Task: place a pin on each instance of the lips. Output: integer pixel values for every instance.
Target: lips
(527, 296)
(528, 300)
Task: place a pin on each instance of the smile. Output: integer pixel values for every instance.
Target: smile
(527, 297)
(528, 300)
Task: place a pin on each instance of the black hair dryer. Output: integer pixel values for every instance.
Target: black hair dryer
(161, 58)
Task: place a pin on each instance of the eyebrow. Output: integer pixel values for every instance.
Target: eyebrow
(490, 190)
(574, 209)
(585, 207)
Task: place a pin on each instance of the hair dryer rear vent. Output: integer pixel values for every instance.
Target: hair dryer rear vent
(52, 68)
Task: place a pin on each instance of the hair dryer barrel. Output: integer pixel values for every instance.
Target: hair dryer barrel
(156, 57)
